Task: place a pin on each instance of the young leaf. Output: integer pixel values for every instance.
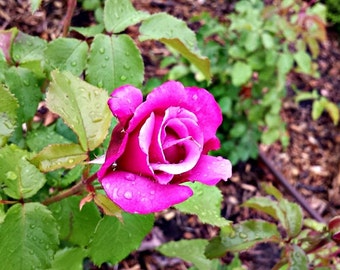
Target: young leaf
(66, 54)
(248, 234)
(82, 106)
(205, 203)
(304, 61)
(76, 226)
(114, 61)
(8, 114)
(188, 250)
(29, 237)
(6, 40)
(35, 4)
(111, 234)
(298, 259)
(24, 85)
(176, 34)
(271, 190)
(317, 109)
(240, 73)
(120, 14)
(69, 258)
(294, 217)
(56, 156)
(267, 206)
(21, 179)
(285, 63)
(333, 110)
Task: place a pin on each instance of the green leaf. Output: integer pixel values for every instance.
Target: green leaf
(35, 4)
(180, 249)
(24, 85)
(114, 240)
(177, 35)
(252, 41)
(267, 206)
(114, 61)
(267, 40)
(294, 217)
(317, 109)
(66, 54)
(238, 129)
(8, 114)
(76, 226)
(62, 178)
(285, 63)
(240, 73)
(69, 258)
(271, 190)
(120, 14)
(298, 259)
(27, 48)
(89, 31)
(205, 203)
(333, 110)
(248, 234)
(29, 237)
(270, 136)
(56, 156)
(304, 61)
(20, 178)
(38, 139)
(82, 106)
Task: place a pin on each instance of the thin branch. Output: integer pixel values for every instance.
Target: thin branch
(71, 5)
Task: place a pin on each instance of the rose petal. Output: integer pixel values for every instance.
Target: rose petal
(124, 101)
(210, 170)
(115, 150)
(138, 194)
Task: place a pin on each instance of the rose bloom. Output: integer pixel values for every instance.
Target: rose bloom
(159, 144)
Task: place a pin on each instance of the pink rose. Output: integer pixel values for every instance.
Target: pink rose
(159, 144)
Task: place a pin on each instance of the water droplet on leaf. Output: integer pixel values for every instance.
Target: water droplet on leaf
(103, 65)
(11, 175)
(74, 63)
(102, 50)
(123, 78)
(243, 235)
(100, 84)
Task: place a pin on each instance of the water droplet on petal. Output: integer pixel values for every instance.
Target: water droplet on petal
(152, 192)
(195, 97)
(219, 158)
(130, 177)
(115, 193)
(128, 195)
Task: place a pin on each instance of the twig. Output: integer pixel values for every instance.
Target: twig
(298, 197)
(71, 5)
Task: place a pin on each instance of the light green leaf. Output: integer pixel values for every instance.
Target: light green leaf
(35, 4)
(29, 237)
(20, 178)
(294, 217)
(270, 136)
(298, 259)
(62, 178)
(38, 139)
(114, 61)
(240, 73)
(56, 156)
(317, 109)
(205, 203)
(82, 106)
(267, 206)
(2, 211)
(119, 14)
(76, 226)
(267, 40)
(89, 31)
(8, 114)
(66, 54)
(250, 233)
(252, 41)
(69, 258)
(176, 34)
(111, 234)
(27, 48)
(333, 110)
(271, 190)
(24, 85)
(180, 249)
(303, 61)
(285, 63)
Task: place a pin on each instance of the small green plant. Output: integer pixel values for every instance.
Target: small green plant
(320, 104)
(251, 56)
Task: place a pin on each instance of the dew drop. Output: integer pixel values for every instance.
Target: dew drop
(127, 53)
(95, 117)
(31, 252)
(103, 65)
(130, 177)
(96, 93)
(29, 43)
(74, 63)
(195, 97)
(219, 158)
(123, 78)
(126, 66)
(71, 160)
(26, 83)
(128, 195)
(32, 226)
(152, 192)
(115, 193)
(11, 175)
(107, 58)
(243, 235)
(102, 50)
(100, 84)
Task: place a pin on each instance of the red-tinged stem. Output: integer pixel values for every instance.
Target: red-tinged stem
(78, 188)
(7, 202)
(71, 5)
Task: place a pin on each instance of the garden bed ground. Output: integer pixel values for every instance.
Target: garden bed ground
(310, 163)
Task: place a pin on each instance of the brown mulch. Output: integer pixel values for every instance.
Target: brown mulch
(310, 163)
